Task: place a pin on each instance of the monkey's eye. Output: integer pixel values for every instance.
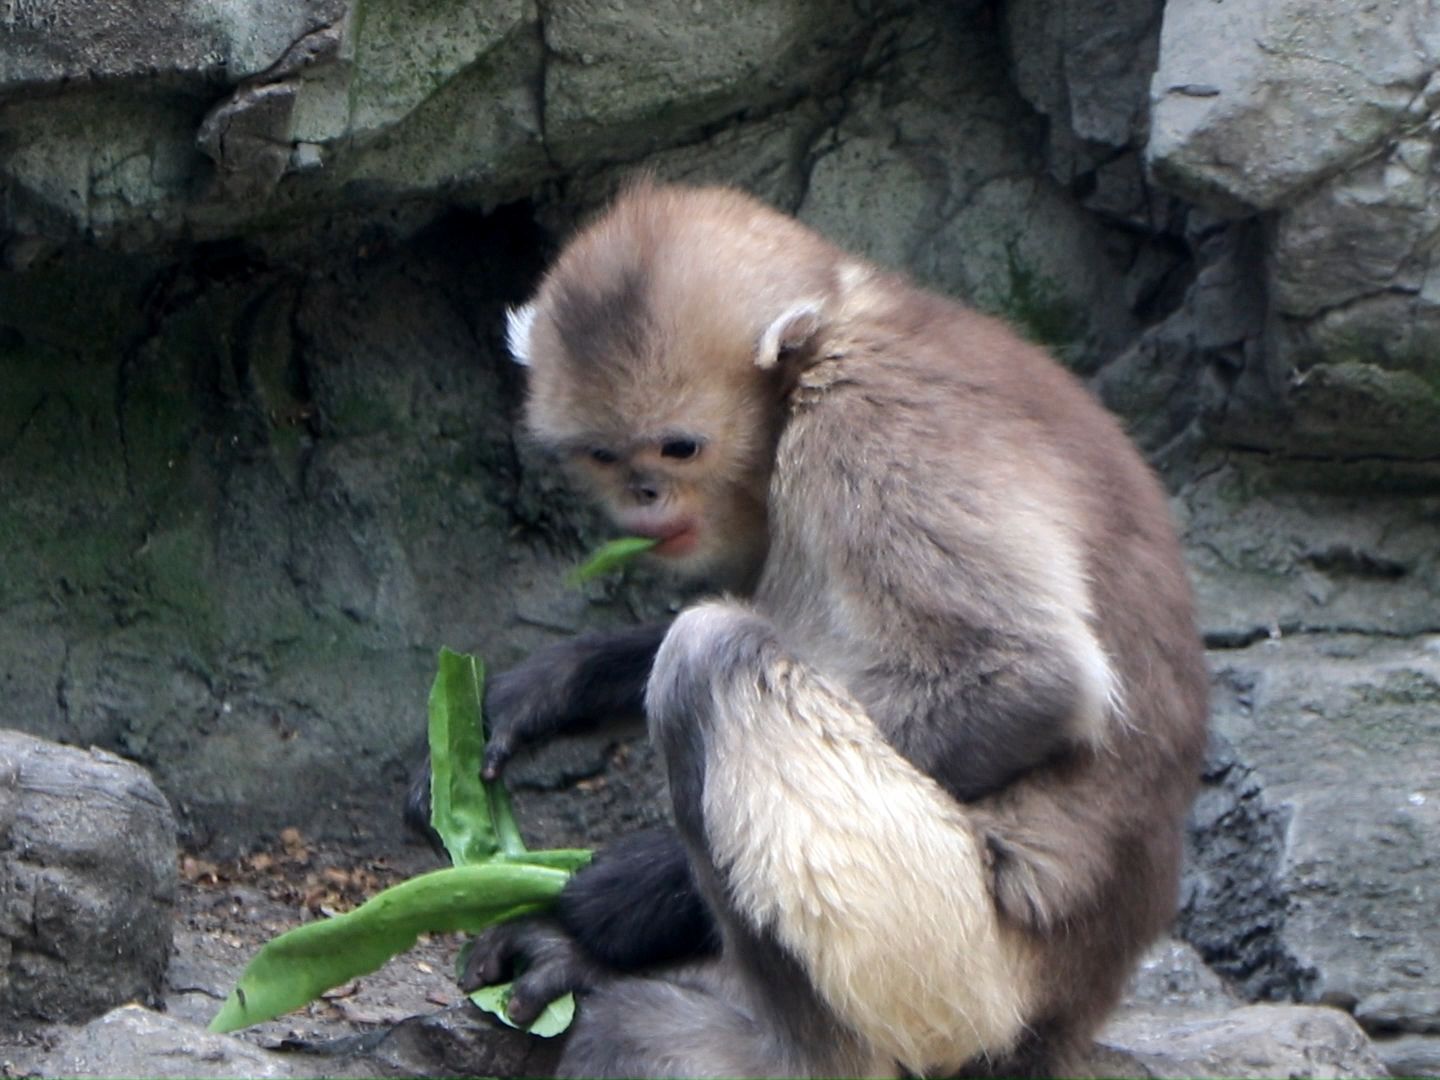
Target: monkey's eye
(679, 449)
(604, 457)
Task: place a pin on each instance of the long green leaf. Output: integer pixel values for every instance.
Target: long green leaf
(503, 815)
(495, 879)
(461, 809)
(303, 963)
(475, 808)
(568, 859)
(611, 557)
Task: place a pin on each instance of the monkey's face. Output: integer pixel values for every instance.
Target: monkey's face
(695, 489)
(653, 350)
(671, 431)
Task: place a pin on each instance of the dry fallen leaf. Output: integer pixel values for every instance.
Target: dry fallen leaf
(344, 990)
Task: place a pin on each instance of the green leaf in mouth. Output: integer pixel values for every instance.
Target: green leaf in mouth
(610, 557)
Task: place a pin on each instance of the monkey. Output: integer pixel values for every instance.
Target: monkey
(931, 735)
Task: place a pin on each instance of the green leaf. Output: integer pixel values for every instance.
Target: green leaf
(554, 1020)
(495, 879)
(498, 799)
(611, 557)
(461, 809)
(570, 859)
(303, 963)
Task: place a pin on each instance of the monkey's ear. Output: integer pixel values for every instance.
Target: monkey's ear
(518, 323)
(791, 332)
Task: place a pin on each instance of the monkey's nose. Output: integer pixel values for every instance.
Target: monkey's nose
(644, 493)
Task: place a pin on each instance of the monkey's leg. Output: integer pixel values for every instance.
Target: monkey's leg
(687, 1022)
(821, 837)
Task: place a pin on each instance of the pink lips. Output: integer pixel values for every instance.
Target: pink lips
(681, 542)
(676, 538)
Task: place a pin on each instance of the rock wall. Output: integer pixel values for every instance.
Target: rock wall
(256, 454)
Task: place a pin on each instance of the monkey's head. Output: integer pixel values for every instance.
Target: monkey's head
(658, 347)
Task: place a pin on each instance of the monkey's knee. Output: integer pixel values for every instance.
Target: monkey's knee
(706, 646)
(684, 1026)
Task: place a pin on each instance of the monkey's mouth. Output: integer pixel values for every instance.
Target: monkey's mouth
(675, 540)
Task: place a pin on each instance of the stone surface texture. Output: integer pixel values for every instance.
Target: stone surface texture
(87, 882)
(1293, 1041)
(1284, 1041)
(1343, 733)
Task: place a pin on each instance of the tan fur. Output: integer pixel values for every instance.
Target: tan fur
(822, 828)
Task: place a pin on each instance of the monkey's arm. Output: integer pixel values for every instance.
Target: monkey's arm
(570, 686)
(976, 673)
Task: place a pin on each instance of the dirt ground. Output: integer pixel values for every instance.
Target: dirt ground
(226, 911)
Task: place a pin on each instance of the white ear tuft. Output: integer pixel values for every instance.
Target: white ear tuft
(795, 326)
(518, 323)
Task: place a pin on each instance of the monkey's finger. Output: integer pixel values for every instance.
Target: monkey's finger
(497, 752)
(492, 957)
(536, 989)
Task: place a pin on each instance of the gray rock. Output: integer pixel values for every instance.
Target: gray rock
(1353, 284)
(1259, 1041)
(430, 99)
(1410, 1055)
(1172, 975)
(1344, 734)
(1347, 365)
(458, 1042)
(247, 138)
(1233, 902)
(1412, 1011)
(314, 105)
(1175, 379)
(1253, 102)
(72, 40)
(248, 134)
(930, 167)
(401, 56)
(87, 881)
(1286, 1041)
(623, 79)
(1322, 119)
(1280, 546)
(134, 1041)
(1367, 230)
(1087, 67)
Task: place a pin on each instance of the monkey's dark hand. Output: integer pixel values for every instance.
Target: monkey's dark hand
(544, 961)
(567, 687)
(634, 907)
